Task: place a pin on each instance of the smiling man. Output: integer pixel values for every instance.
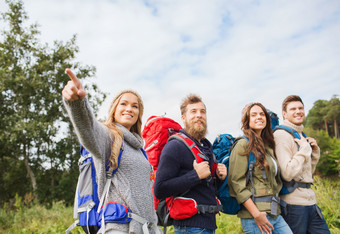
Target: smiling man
(178, 173)
(297, 159)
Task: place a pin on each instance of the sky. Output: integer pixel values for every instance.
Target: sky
(229, 52)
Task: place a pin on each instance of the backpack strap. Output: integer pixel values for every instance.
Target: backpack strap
(196, 152)
(291, 131)
(251, 166)
(145, 155)
(211, 209)
(275, 200)
(106, 187)
(73, 225)
(146, 224)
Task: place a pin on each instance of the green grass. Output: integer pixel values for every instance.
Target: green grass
(39, 219)
(328, 199)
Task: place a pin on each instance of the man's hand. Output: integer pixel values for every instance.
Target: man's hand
(202, 169)
(73, 90)
(221, 171)
(312, 143)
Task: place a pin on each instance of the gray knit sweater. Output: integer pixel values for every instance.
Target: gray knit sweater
(131, 185)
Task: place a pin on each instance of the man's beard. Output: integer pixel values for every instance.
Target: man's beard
(198, 132)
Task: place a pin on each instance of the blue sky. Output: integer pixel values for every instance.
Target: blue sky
(229, 52)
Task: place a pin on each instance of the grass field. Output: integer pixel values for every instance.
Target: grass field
(39, 219)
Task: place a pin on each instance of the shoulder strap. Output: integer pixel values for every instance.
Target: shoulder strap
(252, 158)
(145, 155)
(196, 152)
(120, 157)
(109, 175)
(291, 131)
(251, 165)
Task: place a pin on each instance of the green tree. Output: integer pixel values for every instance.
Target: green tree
(315, 118)
(35, 133)
(329, 152)
(333, 114)
(325, 115)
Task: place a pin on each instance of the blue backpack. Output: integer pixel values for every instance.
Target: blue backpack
(88, 207)
(274, 119)
(222, 147)
(290, 186)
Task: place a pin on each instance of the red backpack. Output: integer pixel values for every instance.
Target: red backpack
(157, 131)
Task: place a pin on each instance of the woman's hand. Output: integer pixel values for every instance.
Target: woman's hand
(73, 90)
(260, 217)
(263, 223)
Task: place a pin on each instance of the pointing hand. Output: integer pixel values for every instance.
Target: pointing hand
(73, 90)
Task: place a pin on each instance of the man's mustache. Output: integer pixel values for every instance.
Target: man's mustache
(199, 121)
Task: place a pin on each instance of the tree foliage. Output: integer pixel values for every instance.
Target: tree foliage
(39, 150)
(329, 163)
(322, 124)
(325, 115)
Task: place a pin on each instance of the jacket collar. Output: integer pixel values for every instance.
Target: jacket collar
(132, 139)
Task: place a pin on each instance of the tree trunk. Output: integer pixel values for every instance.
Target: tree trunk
(326, 127)
(29, 171)
(336, 129)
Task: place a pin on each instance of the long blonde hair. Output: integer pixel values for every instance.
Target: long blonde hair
(117, 134)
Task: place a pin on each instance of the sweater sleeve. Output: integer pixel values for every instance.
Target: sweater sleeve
(290, 159)
(94, 136)
(315, 158)
(175, 173)
(238, 167)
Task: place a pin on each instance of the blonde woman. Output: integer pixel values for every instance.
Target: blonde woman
(131, 185)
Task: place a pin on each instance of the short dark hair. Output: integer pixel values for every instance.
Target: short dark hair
(290, 98)
(190, 99)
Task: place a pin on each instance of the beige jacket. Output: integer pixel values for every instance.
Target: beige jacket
(296, 163)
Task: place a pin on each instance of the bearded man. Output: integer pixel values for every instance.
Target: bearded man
(179, 174)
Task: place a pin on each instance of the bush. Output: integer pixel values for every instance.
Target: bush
(330, 152)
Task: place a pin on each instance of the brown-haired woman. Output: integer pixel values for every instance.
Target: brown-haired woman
(257, 192)
(131, 185)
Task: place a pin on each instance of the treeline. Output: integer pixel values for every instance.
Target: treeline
(39, 151)
(325, 115)
(322, 123)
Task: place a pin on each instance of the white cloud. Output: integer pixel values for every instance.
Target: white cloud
(229, 52)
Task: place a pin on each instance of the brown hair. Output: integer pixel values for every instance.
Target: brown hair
(290, 98)
(256, 143)
(117, 134)
(190, 99)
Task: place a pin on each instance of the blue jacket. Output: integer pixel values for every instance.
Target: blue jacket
(176, 175)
